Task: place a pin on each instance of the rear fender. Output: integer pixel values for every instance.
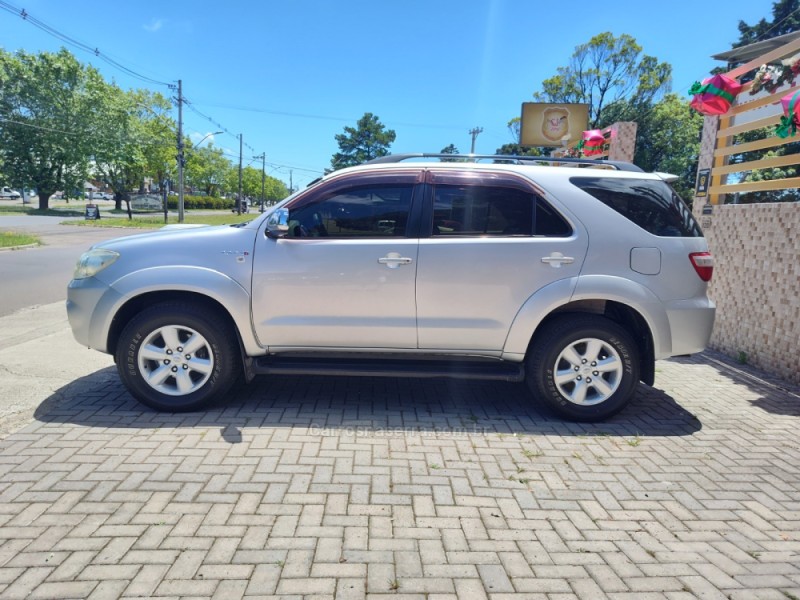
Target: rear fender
(589, 287)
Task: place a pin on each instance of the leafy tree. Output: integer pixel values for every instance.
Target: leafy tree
(785, 19)
(274, 190)
(136, 140)
(450, 149)
(605, 70)
(49, 104)
(158, 135)
(207, 169)
(667, 137)
(251, 181)
(369, 139)
(514, 148)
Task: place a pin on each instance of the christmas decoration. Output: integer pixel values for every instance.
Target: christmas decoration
(715, 95)
(771, 77)
(791, 115)
(592, 142)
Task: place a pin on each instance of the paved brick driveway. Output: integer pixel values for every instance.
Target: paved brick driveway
(353, 488)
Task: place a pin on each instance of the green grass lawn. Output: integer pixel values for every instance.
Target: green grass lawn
(12, 238)
(18, 209)
(153, 221)
(140, 220)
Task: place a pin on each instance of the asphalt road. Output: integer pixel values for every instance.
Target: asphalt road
(36, 276)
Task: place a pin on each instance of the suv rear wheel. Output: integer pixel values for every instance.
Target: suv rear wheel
(584, 367)
(172, 357)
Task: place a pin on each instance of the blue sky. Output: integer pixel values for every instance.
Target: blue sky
(291, 75)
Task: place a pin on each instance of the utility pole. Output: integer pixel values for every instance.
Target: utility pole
(291, 185)
(239, 197)
(181, 159)
(474, 133)
(263, 178)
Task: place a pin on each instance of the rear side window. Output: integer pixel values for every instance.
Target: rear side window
(482, 210)
(650, 204)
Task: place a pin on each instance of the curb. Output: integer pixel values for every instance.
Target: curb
(23, 247)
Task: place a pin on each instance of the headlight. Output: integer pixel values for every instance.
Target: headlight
(92, 262)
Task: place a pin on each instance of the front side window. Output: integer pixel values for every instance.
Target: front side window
(650, 204)
(374, 210)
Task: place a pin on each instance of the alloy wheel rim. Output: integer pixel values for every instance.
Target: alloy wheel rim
(175, 360)
(588, 371)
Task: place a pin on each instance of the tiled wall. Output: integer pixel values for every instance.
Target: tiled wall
(756, 284)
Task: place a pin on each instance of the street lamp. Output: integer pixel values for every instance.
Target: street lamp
(208, 135)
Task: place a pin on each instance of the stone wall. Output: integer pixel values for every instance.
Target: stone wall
(756, 284)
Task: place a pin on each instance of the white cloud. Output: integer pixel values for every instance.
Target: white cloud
(154, 25)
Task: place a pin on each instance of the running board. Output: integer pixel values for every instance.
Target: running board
(467, 369)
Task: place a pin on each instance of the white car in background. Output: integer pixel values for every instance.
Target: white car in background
(7, 193)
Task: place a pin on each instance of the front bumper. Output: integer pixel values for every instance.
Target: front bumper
(83, 298)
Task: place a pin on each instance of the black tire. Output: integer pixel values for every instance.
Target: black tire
(573, 345)
(216, 365)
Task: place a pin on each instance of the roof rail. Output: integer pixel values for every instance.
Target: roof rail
(509, 158)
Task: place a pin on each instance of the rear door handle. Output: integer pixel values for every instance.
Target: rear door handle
(394, 260)
(556, 259)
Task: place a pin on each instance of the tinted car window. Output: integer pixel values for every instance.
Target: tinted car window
(360, 211)
(548, 222)
(651, 204)
(478, 210)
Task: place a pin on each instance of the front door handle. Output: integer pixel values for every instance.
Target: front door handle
(394, 260)
(556, 259)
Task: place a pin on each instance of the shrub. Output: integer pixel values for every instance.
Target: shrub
(201, 202)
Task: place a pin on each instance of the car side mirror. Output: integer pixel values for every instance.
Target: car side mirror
(278, 223)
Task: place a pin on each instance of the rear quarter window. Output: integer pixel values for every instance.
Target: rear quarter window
(651, 204)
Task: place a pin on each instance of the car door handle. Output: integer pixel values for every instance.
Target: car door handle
(556, 259)
(394, 260)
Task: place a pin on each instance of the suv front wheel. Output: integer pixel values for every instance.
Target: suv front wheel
(174, 357)
(584, 367)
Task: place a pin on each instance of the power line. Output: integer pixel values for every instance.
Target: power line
(26, 16)
(4, 120)
(282, 113)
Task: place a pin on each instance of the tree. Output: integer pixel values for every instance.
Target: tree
(450, 149)
(251, 181)
(369, 139)
(605, 70)
(49, 104)
(514, 148)
(785, 19)
(136, 140)
(207, 169)
(274, 190)
(667, 137)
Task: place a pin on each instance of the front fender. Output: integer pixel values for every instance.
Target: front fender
(588, 287)
(198, 280)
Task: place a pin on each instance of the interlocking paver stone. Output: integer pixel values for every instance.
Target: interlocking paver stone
(383, 488)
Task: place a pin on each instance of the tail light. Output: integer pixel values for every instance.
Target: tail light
(703, 263)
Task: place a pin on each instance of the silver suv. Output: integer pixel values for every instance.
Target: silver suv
(571, 279)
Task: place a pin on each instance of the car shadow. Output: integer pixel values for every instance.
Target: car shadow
(763, 390)
(364, 405)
